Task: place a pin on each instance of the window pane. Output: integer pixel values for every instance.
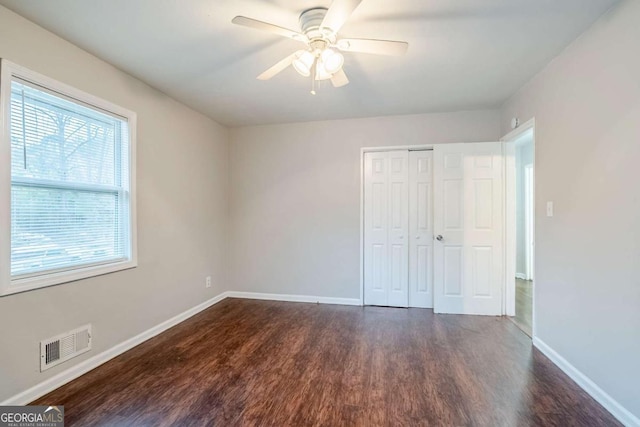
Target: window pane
(69, 183)
(53, 228)
(56, 139)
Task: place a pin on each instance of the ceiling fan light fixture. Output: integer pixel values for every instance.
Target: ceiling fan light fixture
(321, 72)
(332, 61)
(303, 62)
(322, 58)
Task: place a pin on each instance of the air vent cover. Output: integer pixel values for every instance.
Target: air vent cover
(63, 347)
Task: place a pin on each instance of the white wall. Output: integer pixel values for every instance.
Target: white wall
(295, 196)
(587, 109)
(182, 216)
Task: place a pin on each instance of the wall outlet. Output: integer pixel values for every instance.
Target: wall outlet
(207, 282)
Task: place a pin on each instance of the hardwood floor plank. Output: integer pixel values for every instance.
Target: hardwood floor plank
(265, 363)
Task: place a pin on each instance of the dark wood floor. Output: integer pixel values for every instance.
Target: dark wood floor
(524, 306)
(259, 363)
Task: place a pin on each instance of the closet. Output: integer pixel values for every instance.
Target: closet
(433, 228)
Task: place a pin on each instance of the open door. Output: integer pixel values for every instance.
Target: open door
(468, 228)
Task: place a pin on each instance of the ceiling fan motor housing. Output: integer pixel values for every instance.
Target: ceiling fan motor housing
(310, 23)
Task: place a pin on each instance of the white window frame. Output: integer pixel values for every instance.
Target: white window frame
(8, 71)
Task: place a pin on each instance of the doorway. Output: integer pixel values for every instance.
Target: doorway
(521, 188)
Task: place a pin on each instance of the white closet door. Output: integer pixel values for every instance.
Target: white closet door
(421, 229)
(468, 220)
(399, 228)
(386, 228)
(376, 232)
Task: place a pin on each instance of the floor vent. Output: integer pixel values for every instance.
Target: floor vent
(63, 347)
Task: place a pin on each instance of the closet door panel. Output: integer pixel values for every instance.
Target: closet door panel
(376, 228)
(386, 228)
(399, 228)
(421, 229)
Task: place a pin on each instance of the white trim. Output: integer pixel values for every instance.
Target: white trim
(5, 177)
(517, 132)
(395, 148)
(293, 298)
(9, 285)
(521, 276)
(608, 402)
(82, 368)
(65, 89)
(48, 278)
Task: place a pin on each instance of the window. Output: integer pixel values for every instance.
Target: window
(67, 183)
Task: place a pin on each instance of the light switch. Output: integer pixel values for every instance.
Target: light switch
(549, 209)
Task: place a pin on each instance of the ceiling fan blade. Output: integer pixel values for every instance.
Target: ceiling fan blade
(376, 47)
(339, 79)
(264, 26)
(338, 13)
(280, 66)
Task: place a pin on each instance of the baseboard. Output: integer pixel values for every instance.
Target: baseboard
(74, 372)
(610, 404)
(521, 276)
(294, 298)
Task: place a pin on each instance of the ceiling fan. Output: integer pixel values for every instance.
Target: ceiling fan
(321, 58)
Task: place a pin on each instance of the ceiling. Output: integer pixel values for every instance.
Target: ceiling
(463, 54)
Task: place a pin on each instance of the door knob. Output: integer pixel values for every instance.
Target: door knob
(439, 238)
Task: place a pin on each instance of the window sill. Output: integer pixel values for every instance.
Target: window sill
(30, 283)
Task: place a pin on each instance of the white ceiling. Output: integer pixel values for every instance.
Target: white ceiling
(463, 54)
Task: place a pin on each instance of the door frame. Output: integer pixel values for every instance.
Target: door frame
(364, 150)
(509, 291)
(529, 219)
